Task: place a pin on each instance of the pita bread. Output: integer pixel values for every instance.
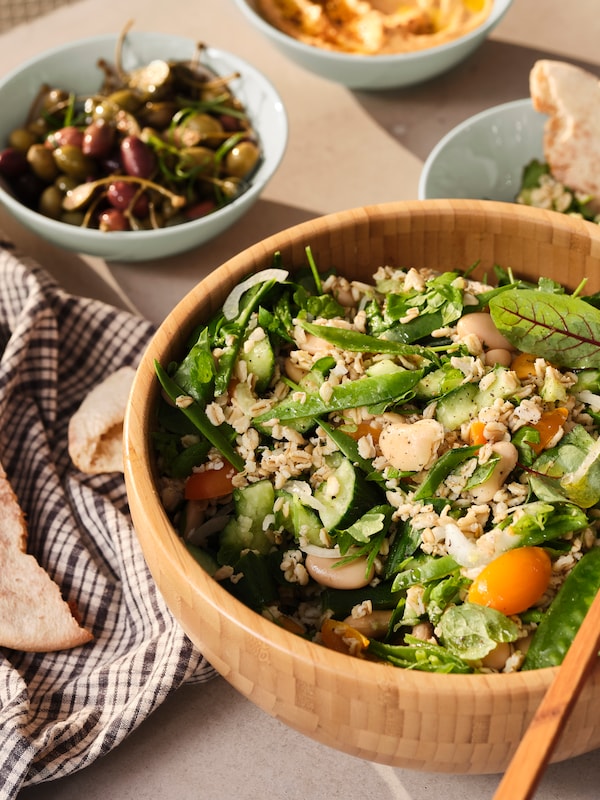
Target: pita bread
(571, 98)
(33, 615)
(96, 428)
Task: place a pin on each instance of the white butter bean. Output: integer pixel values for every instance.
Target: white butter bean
(498, 355)
(482, 325)
(352, 575)
(411, 446)
(497, 658)
(508, 457)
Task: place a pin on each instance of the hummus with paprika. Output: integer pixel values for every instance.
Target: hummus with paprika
(375, 27)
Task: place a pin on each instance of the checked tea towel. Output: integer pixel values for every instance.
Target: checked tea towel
(61, 711)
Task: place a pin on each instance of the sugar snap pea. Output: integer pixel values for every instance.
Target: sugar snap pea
(368, 391)
(558, 627)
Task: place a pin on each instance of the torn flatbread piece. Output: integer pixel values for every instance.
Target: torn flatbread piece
(96, 428)
(34, 617)
(570, 96)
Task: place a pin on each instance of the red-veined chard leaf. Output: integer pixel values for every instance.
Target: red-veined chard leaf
(563, 329)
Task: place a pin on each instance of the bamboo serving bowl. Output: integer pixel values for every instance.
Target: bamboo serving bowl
(415, 720)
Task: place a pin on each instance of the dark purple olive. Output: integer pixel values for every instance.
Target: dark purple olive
(98, 139)
(12, 163)
(28, 188)
(200, 209)
(111, 219)
(122, 194)
(138, 159)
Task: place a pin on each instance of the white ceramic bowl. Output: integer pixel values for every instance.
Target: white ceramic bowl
(483, 157)
(74, 67)
(376, 71)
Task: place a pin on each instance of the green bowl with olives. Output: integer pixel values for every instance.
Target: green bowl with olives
(136, 146)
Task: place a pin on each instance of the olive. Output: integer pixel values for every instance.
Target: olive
(28, 187)
(197, 160)
(124, 195)
(73, 218)
(242, 159)
(55, 98)
(38, 128)
(200, 209)
(21, 139)
(12, 163)
(229, 122)
(199, 128)
(71, 160)
(138, 158)
(125, 99)
(159, 114)
(65, 183)
(41, 161)
(98, 138)
(111, 219)
(151, 80)
(50, 204)
(67, 135)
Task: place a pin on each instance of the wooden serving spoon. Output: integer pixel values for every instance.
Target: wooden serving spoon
(533, 753)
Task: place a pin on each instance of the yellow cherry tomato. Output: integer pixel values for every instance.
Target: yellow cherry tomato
(514, 581)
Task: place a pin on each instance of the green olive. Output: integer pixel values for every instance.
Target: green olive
(55, 98)
(65, 183)
(197, 160)
(159, 114)
(42, 162)
(21, 139)
(50, 204)
(242, 159)
(199, 129)
(125, 99)
(71, 160)
(73, 218)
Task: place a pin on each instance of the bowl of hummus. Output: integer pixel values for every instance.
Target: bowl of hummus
(375, 44)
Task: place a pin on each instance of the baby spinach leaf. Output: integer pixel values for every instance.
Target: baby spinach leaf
(472, 631)
(561, 328)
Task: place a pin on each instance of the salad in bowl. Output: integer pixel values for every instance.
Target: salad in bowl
(405, 469)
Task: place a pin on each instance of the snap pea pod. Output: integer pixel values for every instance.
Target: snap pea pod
(558, 627)
(196, 414)
(363, 343)
(368, 391)
(442, 468)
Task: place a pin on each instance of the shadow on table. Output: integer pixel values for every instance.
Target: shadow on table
(498, 69)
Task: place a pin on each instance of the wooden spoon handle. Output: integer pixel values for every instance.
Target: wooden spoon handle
(533, 753)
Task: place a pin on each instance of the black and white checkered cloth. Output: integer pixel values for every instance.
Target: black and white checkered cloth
(61, 711)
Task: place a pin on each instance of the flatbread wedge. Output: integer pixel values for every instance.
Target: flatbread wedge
(570, 96)
(96, 428)
(34, 617)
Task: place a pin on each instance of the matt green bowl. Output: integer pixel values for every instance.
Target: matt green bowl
(483, 157)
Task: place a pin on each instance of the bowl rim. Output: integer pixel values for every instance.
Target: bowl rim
(140, 482)
(524, 103)
(499, 8)
(98, 238)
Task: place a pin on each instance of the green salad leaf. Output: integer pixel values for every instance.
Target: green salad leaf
(561, 328)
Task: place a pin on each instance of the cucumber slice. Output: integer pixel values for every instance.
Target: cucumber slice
(300, 521)
(457, 407)
(350, 498)
(261, 362)
(253, 504)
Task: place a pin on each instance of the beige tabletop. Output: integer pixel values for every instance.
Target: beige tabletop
(345, 149)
